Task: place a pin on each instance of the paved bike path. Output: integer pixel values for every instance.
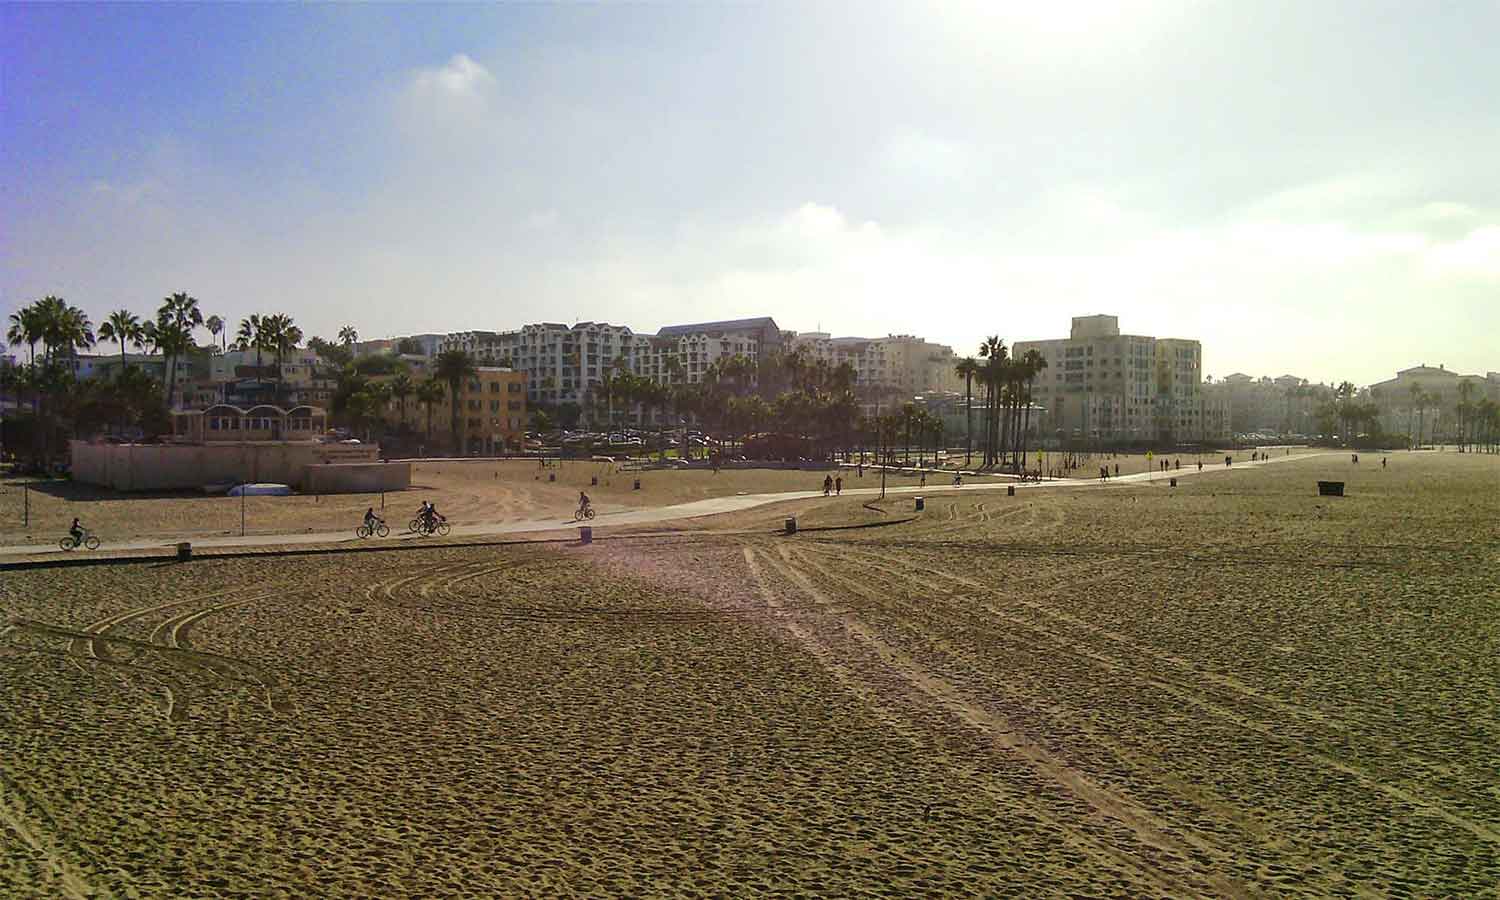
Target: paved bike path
(690, 510)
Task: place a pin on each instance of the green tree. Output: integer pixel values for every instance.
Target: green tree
(348, 336)
(428, 393)
(455, 367)
(966, 369)
(282, 337)
(402, 387)
(993, 375)
(123, 328)
(254, 334)
(1465, 410)
(176, 318)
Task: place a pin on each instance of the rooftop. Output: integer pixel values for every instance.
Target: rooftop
(728, 325)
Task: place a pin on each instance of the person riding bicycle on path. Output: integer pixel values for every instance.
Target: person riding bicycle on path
(433, 516)
(583, 501)
(75, 531)
(371, 520)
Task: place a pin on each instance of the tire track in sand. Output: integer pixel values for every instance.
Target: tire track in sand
(924, 685)
(1197, 698)
(31, 821)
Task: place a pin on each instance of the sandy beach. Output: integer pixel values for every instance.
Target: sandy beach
(1235, 687)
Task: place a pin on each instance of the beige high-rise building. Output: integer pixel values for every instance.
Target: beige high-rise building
(1101, 385)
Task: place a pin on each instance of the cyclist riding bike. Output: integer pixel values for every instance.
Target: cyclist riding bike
(585, 507)
(76, 532)
(371, 520)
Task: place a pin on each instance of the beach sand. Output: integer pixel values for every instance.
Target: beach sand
(1233, 687)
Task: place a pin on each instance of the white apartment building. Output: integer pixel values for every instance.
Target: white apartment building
(1102, 385)
(697, 347)
(565, 363)
(901, 363)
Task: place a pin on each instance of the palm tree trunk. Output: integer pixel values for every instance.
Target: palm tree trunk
(968, 420)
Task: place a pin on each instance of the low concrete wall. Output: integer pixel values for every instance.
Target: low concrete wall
(356, 478)
(166, 467)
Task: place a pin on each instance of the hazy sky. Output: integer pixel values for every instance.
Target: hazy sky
(1306, 187)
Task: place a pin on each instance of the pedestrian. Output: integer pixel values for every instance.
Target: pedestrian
(838, 485)
(827, 484)
(1382, 462)
(1117, 470)
(924, 479)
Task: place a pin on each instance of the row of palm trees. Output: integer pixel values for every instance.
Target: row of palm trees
(1008, 388)
(63, 331)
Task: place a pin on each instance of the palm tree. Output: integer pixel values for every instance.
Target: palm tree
(966, 369)
(379, 396)
(908, 416)
(64, 329)
(348, 336)
(993, 376)
(454, 367)
(123, 327)
(26, 328)
(1034, 363)
(215, 326)
(252, 335)
(427, 393)
(1424, 400)
(1465, 410)
(282, 336)
(607, 388)
(401, 388)
(176, 318)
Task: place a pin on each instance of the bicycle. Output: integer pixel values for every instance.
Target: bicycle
(440, 528)
(380, 529)
(87, 540)
(414, 525)
(583, 512)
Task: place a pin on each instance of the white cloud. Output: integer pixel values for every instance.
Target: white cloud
(461, 77)
(1476, 255)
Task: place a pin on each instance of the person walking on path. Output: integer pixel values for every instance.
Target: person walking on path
(827, 485)
(838, 486)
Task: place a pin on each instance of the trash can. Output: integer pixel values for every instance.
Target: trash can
(585, 534)
(594, 481)
(791, 524)
(1172, 482)
(1330, 489)
(921, 503)
(184, 550)
(551, 476)
(637, 484)
(1010, 490)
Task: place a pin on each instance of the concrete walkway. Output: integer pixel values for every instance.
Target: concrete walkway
(692, 510)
